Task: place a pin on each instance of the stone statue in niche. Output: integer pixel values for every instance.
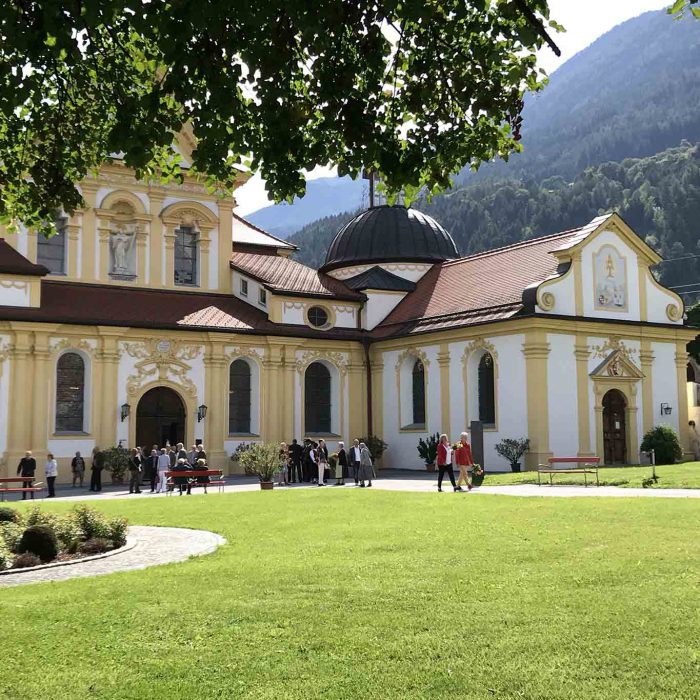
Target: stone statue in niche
(121, 244)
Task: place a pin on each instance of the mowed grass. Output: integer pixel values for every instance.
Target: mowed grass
(671, 476)
(368, 594)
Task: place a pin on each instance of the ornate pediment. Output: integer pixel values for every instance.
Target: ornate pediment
(617, 365)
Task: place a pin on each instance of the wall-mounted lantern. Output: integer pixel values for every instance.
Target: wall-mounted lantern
(666, 409)
(201, 413)
(125, 411)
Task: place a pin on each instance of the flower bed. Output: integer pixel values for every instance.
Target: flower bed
(40, 537)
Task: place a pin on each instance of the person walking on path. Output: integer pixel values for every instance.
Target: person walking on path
(135, 469)
(322, 461)
(465, 461)
(355, 455)
(341, 466)
(366, 468)
(444, 462)
(27, 467)
(51, 472)
(163, 468)
(151, 469)
(77, 466)
(98, 463)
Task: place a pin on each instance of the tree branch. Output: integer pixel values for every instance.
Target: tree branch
(531, 17)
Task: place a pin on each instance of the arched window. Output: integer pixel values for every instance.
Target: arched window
(239, 397)
(51, 252)
(70, 393)
(317, 399)
(186, 256)
(487, 394)
(418, 384)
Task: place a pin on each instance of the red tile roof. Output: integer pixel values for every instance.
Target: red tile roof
(13, 262)
(484, 286)
(290, 277)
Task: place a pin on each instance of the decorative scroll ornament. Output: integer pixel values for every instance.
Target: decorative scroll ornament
(479, 344)
(611, 344)
(547, 301)
(674, 312)
(234, 352)
(338, 359)
(59, 344)
(160, 358)
(416, 354)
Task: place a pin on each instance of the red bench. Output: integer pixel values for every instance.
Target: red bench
(583, 465)
(191, 476)
(34, 488)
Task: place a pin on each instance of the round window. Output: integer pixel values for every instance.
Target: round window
(318, 317)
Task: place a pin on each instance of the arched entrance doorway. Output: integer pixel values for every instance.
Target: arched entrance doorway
(160, 418)
(614, 427)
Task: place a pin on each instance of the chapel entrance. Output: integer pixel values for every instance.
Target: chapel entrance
(160, 418)
(614, 427)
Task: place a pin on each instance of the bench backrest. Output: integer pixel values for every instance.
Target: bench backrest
(573, 460)
(190, 472)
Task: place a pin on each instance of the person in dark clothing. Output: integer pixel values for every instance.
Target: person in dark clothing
(151, 469)
(306, 465)
(295, 454)
(342, 468)
(77, 466)
(135, 469)
(201, 466)
(98, 463)
(27, 467)
(183, 482)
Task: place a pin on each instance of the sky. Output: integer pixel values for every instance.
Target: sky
(584, 22)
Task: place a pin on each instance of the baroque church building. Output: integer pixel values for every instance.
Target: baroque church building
(157, 314)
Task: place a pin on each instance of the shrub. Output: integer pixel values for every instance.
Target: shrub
(64, 527)
(116, 461)
(24, 561)
(97, 545)
(427, 449)
(241, 447)
(261, 460)
(39, 540)
(375, 445)
(6, 557)
(512, 449)
(7, 515)
(664, 441)
(91, 523)
(117, 531)
(10, 535)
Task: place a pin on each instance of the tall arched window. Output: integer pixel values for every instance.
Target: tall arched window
(186, 256)
(487, 394)
(70, 393)
(51, 252)
(239, 397)
(317, 399)
(418, 384)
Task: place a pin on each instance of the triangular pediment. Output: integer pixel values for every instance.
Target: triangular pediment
(617, 364)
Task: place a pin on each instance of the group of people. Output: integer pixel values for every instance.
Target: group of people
(311, 462)
(153, 468)
(459, 455)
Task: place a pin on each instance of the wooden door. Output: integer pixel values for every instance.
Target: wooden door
(614, 427)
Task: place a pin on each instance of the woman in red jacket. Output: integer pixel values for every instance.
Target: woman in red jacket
(444, 462)
(465, 461)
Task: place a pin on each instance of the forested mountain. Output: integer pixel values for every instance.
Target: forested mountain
(632, 93)
(659, 196)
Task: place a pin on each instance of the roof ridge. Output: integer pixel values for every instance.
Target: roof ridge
(263, 231)
(511, 246)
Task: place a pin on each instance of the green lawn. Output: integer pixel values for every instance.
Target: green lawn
(672, 476)
(368, 594)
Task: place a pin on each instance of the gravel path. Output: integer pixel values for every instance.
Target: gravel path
(152, 546)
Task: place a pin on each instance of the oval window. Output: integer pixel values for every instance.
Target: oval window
(318, 317)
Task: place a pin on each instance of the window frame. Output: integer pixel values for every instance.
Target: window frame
(262, 297)
(243, 287)
(61, 223)
(324, 424)
(247, 428)
(82, 402)
(486, 403)
(181, 231)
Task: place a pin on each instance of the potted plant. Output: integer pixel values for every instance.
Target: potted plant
(261, 460)
(116, 461)
(513, 450)
(427, 449)
(376, 446)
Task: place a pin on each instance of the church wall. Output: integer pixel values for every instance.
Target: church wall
(562, 395)
(665, 387)
(5, 371)
(14, 291)
(378, 307)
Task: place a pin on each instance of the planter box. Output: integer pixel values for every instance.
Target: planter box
(267, 485)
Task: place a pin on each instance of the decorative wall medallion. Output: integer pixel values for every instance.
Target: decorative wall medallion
(674, 312)
(547, 301)
(617, 365)
(163, 346)
(610, 279)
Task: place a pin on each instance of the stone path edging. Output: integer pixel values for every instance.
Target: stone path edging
(151, 546)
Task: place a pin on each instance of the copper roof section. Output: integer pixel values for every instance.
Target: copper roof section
(13, 262)
(287, 276)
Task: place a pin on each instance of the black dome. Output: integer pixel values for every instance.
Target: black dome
(390, 233)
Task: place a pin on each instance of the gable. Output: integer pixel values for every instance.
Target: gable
(617, 364)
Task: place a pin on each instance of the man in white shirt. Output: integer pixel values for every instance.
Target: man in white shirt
(355, 460)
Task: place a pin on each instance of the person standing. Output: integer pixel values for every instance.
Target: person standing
(465, 461)
(444, 462)
(27, 467)
(306, 460)
(201, 454)
(341, 467)
(51, 472)
(284, 465)
(98, 463)
(181, 453)
(163, 469)
(192, 455)
(366, 467)
(135, 470)
(295, 453)
(151, 469)
(313, 462)
(322, 461)
(77, 466)
(355, 459)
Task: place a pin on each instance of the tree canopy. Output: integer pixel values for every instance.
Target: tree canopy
(413, 88)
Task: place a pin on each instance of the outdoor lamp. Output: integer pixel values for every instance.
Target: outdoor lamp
(666, 409)
(125, 411)
(201, 413)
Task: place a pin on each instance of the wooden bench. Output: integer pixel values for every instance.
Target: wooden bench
(192, 478)
(582, 465)
(34, 488)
